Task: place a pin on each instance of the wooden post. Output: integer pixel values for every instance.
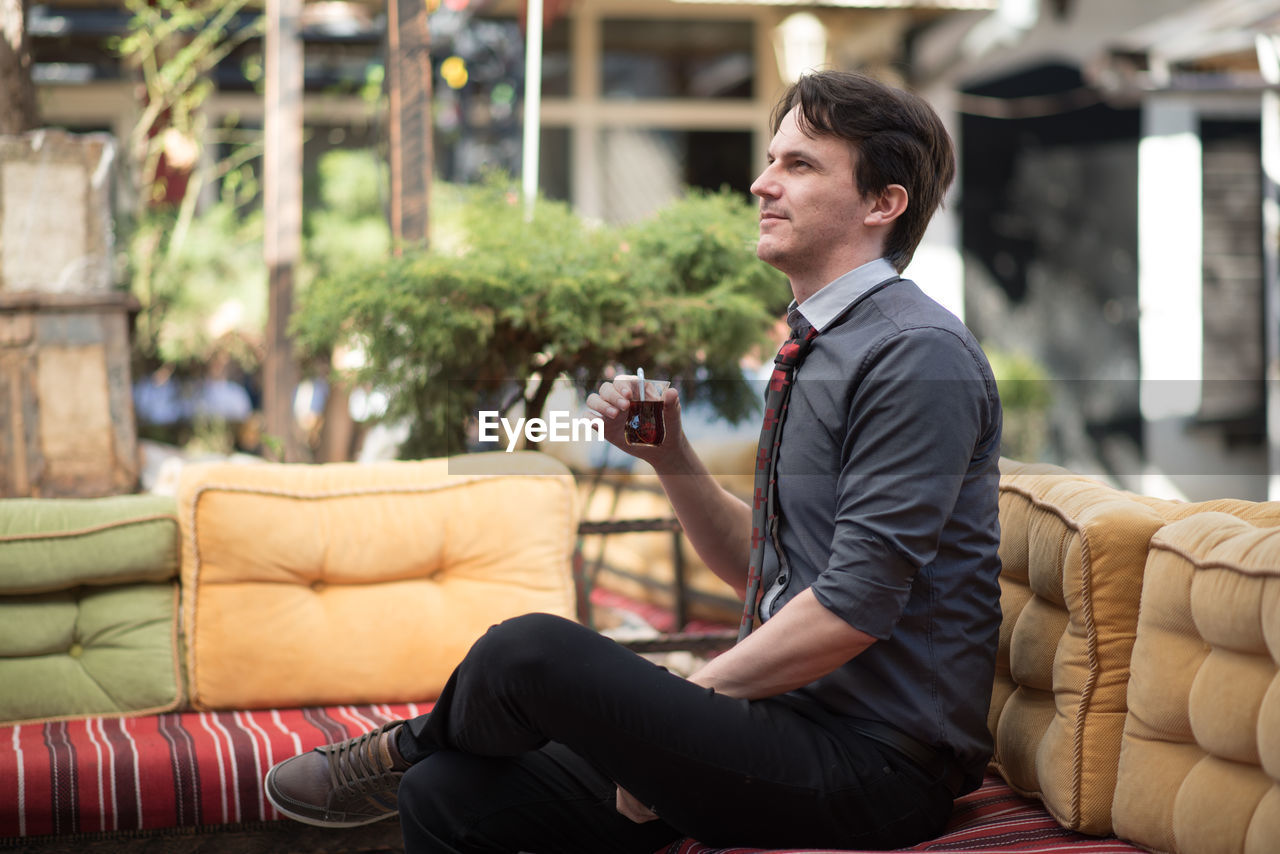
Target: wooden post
(409, 91)
(282, 196)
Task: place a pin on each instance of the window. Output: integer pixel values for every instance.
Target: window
(554, 174)
(644, 169)
(677, 59)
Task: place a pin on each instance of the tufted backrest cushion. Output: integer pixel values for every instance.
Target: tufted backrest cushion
(351, 583)
(1199, 764)
(88, 607)
(1072, 553)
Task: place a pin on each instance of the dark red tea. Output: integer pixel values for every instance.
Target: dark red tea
(644, 423)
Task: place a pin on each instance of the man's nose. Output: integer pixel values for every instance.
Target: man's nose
(764, 185)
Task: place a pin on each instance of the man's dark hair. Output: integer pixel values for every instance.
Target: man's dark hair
(898, 139)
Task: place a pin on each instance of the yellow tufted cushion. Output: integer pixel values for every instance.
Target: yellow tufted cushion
(347, 583)
(1200, 759)
(1072, 553)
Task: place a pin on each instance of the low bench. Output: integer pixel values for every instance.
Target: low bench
(158, 655)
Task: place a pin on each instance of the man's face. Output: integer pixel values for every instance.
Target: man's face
(811, 214)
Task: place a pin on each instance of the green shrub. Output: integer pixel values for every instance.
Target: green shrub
(503, 308)
(344, 224)
(194, 292)
(1025, 395)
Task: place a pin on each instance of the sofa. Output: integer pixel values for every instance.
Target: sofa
(158, 654)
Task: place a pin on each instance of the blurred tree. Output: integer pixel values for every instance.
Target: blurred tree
(209, 297)
(174, 45)
(345, 228)
(17, 91)
(211, 286)
(344, 224)
(501, 310)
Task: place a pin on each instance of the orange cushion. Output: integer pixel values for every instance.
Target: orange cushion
(1072, 552)
(358, 583)
(1200, 758)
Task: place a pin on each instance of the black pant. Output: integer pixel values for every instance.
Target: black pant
(534, 728)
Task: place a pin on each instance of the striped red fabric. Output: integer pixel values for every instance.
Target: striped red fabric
(991, 820)
(193, 769)
(173, 770)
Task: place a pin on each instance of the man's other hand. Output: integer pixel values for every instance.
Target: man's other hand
(632, 808)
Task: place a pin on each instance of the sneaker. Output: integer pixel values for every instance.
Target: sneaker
(346, 784)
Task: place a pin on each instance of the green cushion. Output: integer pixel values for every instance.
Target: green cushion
(89, 651)
(88, 607)
(55, 544)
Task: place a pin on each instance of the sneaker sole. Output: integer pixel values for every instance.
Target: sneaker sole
(313, 820)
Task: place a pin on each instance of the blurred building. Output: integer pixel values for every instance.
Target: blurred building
(83, 83)
(640, 98)
(1119, 224)
(1112, 218)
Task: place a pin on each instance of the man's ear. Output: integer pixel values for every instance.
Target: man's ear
(888, 206)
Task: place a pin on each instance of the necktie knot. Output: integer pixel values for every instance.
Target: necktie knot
(794, 349)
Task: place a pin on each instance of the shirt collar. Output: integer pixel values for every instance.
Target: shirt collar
(829, 303)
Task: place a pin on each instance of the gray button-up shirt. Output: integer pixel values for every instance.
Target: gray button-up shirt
(887, 487)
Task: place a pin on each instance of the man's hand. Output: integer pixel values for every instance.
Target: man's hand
(717, 523)
(612, 403)
(632, 808)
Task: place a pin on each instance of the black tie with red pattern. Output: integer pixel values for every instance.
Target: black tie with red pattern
(764, 505)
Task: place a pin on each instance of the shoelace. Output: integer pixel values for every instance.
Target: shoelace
(357, 766)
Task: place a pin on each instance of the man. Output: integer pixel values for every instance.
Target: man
(856, 712)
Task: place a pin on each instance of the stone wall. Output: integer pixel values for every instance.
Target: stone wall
(66, 413)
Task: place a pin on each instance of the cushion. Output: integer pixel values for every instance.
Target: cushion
(176, 770)
(56, 544)
(363, 583)
(1072, 553)
(88, 607)
(1200, 759)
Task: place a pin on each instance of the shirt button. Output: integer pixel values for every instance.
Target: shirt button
(782, 581)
